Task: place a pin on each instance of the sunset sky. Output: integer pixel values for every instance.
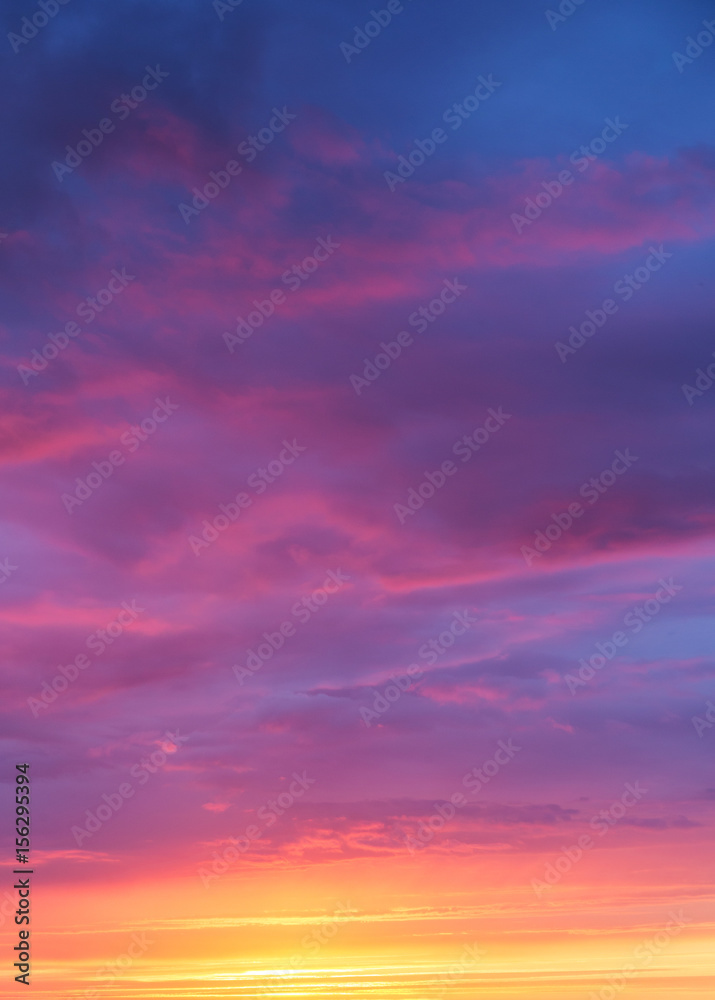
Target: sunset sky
(358, 497)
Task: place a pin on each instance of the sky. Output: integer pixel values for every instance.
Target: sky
(357, 497)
